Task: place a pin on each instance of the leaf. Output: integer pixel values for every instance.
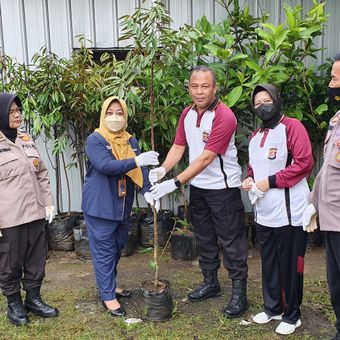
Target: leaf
(252, 65)
(239, 56)
(307, 33)
(269, 26)
(234, 96)
(212, 48)
(321, 109)
(279, 39)
(290, 16)
(265, 35)
(152, 265)
(146, 250)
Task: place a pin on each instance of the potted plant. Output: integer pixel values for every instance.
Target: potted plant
(183, 241)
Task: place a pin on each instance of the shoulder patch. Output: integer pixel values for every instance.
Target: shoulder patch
(25, 137)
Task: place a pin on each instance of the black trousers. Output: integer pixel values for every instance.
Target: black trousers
(333, 271)
(282, 253)
(218, 219)
(23, 251)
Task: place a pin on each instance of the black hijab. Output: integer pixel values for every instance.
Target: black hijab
(274, 93)
(6, 100)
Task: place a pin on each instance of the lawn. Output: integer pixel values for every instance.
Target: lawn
(70, 286)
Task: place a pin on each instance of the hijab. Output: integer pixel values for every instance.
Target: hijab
(119, 141)
(6, 100)
(275, 108)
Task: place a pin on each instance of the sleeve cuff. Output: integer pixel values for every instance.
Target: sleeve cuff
(272, 181)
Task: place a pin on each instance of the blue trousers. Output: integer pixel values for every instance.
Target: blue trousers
(106, 238)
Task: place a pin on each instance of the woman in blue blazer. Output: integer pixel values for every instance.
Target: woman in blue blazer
(115, 166)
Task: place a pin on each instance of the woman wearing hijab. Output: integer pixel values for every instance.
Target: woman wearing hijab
(115, 167)
(25, 202)
(280, 160)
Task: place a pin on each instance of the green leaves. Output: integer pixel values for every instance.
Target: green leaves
(232, 97)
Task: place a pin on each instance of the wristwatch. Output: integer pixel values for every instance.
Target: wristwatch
(177, 183)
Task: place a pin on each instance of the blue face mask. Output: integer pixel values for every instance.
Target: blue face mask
(334, 95)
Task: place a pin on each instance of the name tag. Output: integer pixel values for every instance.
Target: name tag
(109, 147)
(5, 150)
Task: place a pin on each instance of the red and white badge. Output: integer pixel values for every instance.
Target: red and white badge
(272, 153)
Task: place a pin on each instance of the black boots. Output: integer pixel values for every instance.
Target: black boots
(16, 312)
(238, 302)
(37, 306)
(209, 288)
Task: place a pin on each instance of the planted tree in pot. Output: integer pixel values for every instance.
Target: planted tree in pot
(153, 68)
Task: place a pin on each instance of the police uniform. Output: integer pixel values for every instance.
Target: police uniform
(25, 192)
(326, 199)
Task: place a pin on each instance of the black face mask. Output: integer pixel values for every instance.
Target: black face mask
(334, 95)
(266, 111)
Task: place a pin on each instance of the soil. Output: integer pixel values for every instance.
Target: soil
(64, 270)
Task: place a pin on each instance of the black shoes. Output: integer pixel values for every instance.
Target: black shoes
(35, 304)
(209, 288)
(17, 314)
(238, 302)
(123, 294)
(115, 312)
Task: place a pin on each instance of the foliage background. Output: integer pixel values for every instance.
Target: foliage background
(62, 97)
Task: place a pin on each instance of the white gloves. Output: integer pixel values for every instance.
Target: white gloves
(151, 201)
(156, 174)
(147, 158)
(162, 189)
(254, 193)
(50, 213)
(309, 219)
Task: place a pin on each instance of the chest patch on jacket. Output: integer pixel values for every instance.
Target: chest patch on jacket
(337, 157)
(205, 136)
(272, 153)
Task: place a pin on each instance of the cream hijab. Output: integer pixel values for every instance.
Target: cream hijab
(119, 141)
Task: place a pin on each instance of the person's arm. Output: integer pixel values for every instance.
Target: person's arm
(197, 166)
(102, 160)
(174, 155)
(301, 151)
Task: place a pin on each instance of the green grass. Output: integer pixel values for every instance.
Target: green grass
(82, 317)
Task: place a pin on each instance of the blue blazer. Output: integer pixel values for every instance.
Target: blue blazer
(100, 190)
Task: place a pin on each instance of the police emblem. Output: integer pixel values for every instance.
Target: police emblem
(36, 163)
(337, 157)
(272, 153)
(205, 136)
(25, 138)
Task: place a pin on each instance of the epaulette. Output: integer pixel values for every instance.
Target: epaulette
(24, 135)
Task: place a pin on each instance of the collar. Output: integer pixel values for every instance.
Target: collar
(211, 107)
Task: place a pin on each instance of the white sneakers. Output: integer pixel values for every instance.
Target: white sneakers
(263, 317)
(283, 328)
